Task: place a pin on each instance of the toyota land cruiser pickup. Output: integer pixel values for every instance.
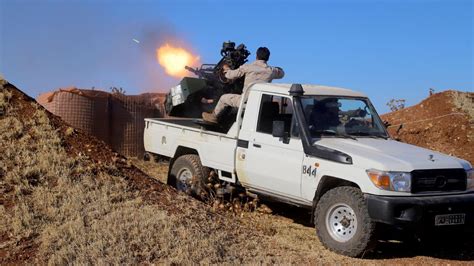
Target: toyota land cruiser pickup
(326, 149)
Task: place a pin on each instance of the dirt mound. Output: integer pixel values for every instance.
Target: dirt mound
(443, 122)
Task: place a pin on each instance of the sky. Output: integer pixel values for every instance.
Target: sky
(387, 49)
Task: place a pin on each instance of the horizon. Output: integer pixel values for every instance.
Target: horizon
(385, 49)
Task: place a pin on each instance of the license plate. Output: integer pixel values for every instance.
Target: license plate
(449, 219)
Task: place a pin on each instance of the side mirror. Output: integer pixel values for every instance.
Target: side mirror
(278, 131)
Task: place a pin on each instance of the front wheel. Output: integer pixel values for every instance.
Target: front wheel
(342, 221)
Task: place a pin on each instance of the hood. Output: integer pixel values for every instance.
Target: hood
(391, 155)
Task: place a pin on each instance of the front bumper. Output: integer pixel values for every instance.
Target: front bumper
(419, 210)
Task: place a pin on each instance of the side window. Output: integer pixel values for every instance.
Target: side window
(274, 108)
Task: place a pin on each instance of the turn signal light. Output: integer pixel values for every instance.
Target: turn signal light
(381, 181)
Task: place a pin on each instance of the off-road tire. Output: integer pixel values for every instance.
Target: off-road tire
(199, 172)
(364, 237)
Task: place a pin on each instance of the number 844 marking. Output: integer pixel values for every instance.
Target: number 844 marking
(309, 170)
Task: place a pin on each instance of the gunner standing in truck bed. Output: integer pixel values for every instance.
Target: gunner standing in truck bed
(257, 71)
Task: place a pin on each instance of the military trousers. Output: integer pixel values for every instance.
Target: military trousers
(232, 100)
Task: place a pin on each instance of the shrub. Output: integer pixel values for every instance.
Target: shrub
(396, 104)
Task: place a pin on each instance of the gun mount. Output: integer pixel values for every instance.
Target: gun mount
(184, 100)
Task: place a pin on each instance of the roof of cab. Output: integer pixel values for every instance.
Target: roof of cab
(309, 89)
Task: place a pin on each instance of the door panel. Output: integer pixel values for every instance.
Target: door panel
(274, 166)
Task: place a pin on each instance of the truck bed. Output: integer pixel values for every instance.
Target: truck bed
(183, 122)
(192, 123)
(164, 136)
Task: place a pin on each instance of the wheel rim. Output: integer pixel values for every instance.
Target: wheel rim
(341, 222)
(184, 179)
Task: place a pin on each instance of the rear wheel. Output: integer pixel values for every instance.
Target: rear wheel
(188, 175)
(342, 221)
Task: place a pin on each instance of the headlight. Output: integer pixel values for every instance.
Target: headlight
(393, 181)
(470, 179)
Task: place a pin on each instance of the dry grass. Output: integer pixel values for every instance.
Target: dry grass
(157, 170)
(5, 97)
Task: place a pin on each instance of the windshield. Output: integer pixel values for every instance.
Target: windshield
(341, 116)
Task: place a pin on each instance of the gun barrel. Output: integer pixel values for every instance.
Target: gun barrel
(190, 69)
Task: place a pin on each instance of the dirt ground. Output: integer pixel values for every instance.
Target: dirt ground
(66, 197)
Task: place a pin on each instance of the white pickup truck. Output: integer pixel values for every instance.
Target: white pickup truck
(326, 149)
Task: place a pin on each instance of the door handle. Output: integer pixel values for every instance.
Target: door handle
(257, 145)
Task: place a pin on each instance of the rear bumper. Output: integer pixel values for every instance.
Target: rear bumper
(414, 211)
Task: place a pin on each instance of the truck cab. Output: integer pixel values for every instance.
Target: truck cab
(326, 149)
